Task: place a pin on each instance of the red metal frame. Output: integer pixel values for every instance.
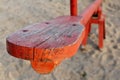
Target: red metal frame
(86, 19)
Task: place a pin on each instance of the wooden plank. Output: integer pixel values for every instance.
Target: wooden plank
(47, 43)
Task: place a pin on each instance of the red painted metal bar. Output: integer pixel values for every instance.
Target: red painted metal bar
(73, 7)
(87, 14)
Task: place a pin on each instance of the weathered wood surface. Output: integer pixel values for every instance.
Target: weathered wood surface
(47, 44)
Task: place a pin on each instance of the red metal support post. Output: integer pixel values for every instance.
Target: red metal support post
(73, 7)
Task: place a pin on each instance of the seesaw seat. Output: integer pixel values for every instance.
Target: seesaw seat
(47, 44)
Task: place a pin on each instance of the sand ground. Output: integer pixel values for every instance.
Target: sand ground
(90, 64)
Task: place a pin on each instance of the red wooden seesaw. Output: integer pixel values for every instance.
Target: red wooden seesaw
(48, 43)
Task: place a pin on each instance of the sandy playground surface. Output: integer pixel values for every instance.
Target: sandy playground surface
(90, 64)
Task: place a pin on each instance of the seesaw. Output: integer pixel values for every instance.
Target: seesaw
(48, 43)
